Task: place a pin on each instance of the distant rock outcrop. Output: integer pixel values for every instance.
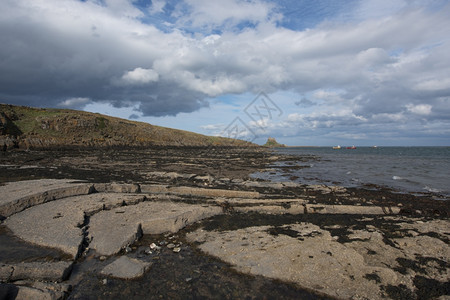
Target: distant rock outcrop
(271, 143)
(27, 128)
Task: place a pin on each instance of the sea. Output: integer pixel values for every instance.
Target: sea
(417, 170)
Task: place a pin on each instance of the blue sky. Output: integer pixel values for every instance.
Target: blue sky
(322, 72)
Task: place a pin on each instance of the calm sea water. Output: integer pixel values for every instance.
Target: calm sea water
(404, 169)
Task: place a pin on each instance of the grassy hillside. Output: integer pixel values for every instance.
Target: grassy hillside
(27, 127)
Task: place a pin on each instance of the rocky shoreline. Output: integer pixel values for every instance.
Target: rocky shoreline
(190, 222)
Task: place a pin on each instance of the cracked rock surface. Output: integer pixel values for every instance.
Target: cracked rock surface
(17, 196)
(59, 224)
(112, 230)
(305, 254)
(185, 224)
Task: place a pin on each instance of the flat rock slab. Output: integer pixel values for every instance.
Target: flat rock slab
(126, 268)
(25, 292)
(193, 191)
(37, 290)
(117, 187)
(112, 230)
(17, 196)
(309, 256)
(45, 271)
(59, 224)
(300, 208)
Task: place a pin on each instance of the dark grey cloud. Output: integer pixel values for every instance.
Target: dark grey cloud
(305, 102)
(358, 71)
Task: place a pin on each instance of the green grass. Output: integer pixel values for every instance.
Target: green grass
(29, 118)
(80, 125)
(101, 122)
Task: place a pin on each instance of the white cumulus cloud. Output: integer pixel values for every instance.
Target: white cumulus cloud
(420, 109)
(140, 76)
(77, 102)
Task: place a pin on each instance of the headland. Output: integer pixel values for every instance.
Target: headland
(187, 222)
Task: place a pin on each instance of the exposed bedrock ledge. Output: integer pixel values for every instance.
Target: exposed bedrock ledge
(191, 191)
(60, 223)
(338, 260)
(110, 231)
(117, 187)
(45, 271)
(17, 196)
(111, 221)
(299, 208)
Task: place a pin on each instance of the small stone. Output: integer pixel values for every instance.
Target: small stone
(148, 251)
(153, 246)
(102, 258)
(399, 205)
(188, 279)
(170, 246)
(105, 281)
(128, 249)
(176, 249)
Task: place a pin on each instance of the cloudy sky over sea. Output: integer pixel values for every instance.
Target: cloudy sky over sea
(316, 72)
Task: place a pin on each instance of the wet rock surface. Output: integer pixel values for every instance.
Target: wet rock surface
(111, 231)
(126, 268)
(187, 223)
(309, 255)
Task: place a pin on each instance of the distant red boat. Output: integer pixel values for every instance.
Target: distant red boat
(352, 147)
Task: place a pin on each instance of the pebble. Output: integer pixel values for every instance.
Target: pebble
(176, 249)
(153, 246)
(128, 249)
(105, 281)
(170, 246)
(102, 258)
(148, 251)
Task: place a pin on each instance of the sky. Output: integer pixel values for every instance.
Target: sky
(306, 72)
